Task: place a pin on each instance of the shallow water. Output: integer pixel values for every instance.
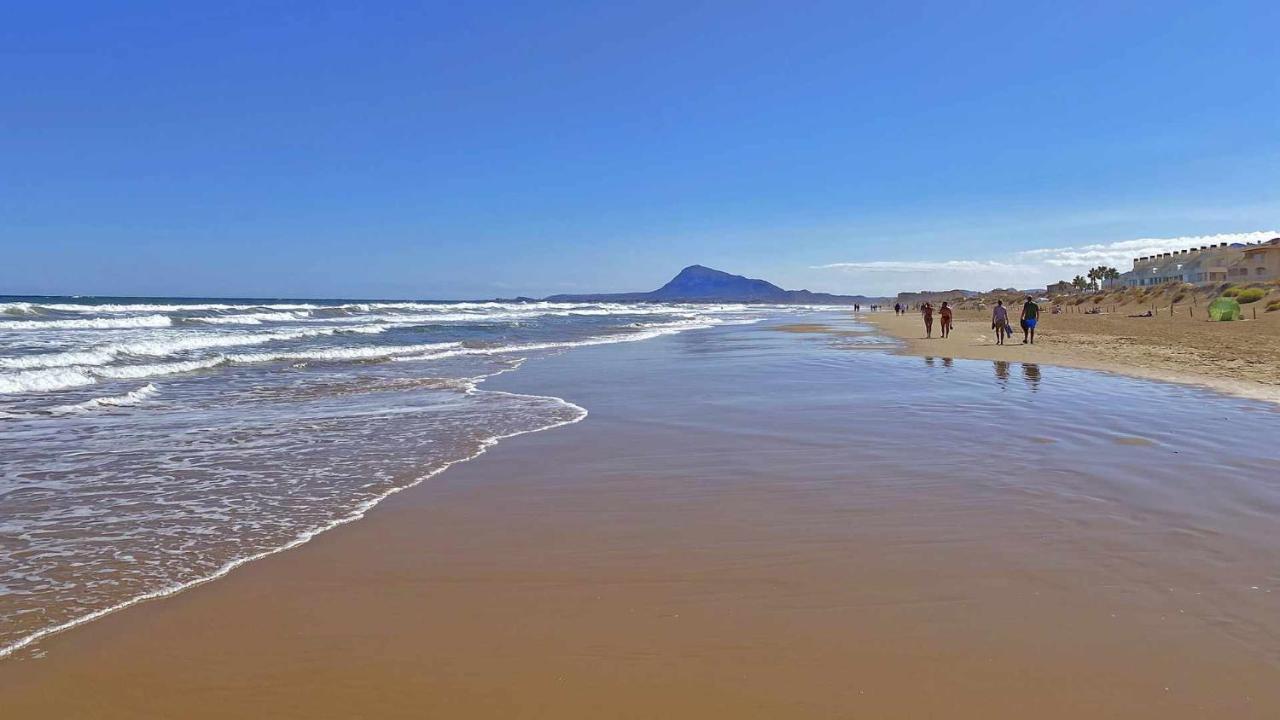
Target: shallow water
(252, 440)
(754, 523)
(149, 444)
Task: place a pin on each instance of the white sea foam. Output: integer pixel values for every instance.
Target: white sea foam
(129, 399)
(341, 353)
(169, 344)
(580, 413)
(652, 331)
(127, 372)
(142, 321)
(248, 318)
(17, 308)
(169, 307)
(44, 380)
(482, 308)
(44, 360)
(64, 378)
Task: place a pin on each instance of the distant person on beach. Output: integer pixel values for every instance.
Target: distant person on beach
(927, 311)
(1030, 315)
(1000, 321)
(945, 312)
(897, 308)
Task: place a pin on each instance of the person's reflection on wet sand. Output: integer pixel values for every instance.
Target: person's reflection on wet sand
(947, 362)
(1002, 370)
(1031, 373)
(928, 361)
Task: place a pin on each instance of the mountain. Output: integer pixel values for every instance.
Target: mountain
(697, 283)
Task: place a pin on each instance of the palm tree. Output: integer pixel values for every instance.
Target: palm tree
(1079, 283)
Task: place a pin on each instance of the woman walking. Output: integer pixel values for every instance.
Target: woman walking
(927, 311)
(1000, 321)
(945, 312)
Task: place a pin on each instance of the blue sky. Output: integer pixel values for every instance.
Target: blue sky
(483, 149)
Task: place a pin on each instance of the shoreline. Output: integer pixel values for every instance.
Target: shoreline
(722, 538)
(358, 513)
(1080, 346)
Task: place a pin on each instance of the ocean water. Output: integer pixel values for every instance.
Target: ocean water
(150, 444)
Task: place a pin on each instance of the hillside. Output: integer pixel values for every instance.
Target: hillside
(698, 283)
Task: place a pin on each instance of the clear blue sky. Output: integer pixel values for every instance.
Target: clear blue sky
(482, 149)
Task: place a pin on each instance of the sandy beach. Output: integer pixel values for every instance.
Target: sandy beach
(1238, 358)
(751, 523)
(517, 361)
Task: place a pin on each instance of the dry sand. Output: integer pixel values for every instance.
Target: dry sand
(1239, 358)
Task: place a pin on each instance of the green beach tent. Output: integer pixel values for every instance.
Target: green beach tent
(1224, 308)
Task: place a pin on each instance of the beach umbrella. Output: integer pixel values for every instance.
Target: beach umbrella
(1224, 308)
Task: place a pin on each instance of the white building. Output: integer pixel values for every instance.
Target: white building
(1208, 264)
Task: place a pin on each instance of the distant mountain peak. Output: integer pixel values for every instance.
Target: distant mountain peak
(700, 270)
(699, 283)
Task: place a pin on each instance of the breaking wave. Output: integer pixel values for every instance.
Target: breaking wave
(145, 321)
(129, 399)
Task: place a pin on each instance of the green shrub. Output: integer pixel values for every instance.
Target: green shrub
(1273, 306)
(1250, 295)
(1232, 291)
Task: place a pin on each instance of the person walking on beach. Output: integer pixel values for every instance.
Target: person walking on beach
(927, 311)
(1030, 315)
(1000, 321)
(897, 308)
(945, 312)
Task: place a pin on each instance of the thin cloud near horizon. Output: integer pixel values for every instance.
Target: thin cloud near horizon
(1035, 266)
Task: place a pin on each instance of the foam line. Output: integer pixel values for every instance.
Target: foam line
(356, 514)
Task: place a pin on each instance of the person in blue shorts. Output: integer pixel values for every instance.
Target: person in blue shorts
(1030, 315)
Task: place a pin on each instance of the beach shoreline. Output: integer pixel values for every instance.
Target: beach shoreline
(718, 539)
(1109, 343)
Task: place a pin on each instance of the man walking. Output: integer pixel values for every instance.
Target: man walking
(1030, 315)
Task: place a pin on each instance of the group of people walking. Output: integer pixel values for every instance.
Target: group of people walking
(1028, 320)
(926, 310)
(999, 320)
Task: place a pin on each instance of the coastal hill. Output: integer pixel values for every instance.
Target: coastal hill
(697, 283)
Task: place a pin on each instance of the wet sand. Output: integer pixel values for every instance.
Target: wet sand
(1237, 358)
(752, 523)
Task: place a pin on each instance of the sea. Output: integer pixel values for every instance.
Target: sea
(150, 444)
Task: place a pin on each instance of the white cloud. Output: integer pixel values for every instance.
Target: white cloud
(1121, 254)
(1025, 268)
(912, 266)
